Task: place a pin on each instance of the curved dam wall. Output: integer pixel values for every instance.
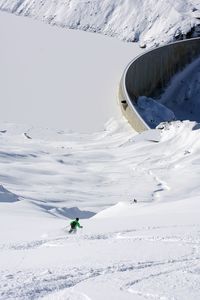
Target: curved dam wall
(149, 73)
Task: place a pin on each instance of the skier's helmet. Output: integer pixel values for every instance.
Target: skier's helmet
(77, 219)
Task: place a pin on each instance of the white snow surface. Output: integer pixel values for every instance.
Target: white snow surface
(143, 250)
(59, 78)
(150, 22)
(126, 250)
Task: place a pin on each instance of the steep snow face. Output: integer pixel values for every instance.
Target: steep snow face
(151, 22)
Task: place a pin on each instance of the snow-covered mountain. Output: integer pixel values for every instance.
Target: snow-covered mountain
(150, 22)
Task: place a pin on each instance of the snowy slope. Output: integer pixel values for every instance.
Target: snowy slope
(92, 171)
(147, 250)
(151, 22)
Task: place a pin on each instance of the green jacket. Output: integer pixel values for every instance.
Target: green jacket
(74, 224)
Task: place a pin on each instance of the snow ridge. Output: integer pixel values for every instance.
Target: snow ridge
(151, 22)
(7, 196)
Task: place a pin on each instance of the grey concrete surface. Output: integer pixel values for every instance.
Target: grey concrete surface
(149, 73)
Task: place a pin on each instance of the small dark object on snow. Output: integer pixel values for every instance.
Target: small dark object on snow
(133, 201)
(27, 136)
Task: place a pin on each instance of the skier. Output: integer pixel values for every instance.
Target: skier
(74, 224)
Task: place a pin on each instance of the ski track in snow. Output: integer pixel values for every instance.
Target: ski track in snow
(33, 284)
(40, 283)
(113, 163)
(96, 171)
(58, 241)
(162, 186)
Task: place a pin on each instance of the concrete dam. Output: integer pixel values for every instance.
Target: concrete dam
(149, 75)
